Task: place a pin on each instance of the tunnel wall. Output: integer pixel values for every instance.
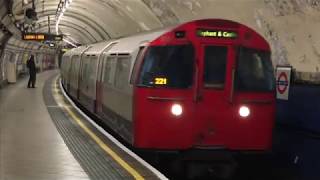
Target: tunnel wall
(290, 26)
(297, 133)
(18, 56)
(302, 110)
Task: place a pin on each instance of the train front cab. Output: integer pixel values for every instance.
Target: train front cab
(206, 84)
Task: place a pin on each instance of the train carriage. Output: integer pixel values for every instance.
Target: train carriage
(74, 71)
(116, 90)
(89, 75)
(65, 67)
(203, 84)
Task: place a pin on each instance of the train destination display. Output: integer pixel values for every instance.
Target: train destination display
(216, 33)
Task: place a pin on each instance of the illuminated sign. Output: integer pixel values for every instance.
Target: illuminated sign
(35, 37)
(216, 33)
(160, 81)
(41, 37)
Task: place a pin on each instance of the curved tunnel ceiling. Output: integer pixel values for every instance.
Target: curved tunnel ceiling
(102, 19)
(291, 26)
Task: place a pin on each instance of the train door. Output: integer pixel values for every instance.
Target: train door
(253, 99)
(72, 72)
(79, 70)
(88, 83)
(230, 87)
(214, 110)
(100, 82)
(163, 100)
(100, 74)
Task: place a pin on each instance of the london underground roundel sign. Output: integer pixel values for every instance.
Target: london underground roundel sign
(283, 82)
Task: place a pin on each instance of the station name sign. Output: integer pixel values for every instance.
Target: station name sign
(41, 37)
(216, 33)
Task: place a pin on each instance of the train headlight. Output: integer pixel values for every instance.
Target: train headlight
(244, 111)
(176, 109)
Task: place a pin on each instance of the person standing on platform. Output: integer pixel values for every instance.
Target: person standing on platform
(32, 72)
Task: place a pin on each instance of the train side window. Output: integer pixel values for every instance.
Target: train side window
(93, 70)
(104, 67)
(135, 68)
(254, 71)
(110, 68)
(76, 66)
(215, 66)
(122, 72)
(72, 68)
(63, 64)
(104, 58)
(86, 70)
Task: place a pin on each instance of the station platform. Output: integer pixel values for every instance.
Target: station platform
(44, 136)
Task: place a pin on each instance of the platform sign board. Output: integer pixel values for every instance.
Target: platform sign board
(41, 37)
(283, 77)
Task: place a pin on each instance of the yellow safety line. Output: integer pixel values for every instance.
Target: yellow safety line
(107, 149)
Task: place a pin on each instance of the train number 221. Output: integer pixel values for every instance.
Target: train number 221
(160, 81)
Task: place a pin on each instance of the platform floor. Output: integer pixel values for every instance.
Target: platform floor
(30, 145)
(44, 136)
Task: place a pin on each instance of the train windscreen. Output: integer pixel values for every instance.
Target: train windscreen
(168, 66)
(215, 66)
(254, 71)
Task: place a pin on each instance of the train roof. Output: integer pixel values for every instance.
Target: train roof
(68, 53)
(99, 47)
(131, 43)
(77, 50)
(127, 45)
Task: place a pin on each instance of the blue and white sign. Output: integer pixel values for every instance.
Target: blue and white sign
(283, 82)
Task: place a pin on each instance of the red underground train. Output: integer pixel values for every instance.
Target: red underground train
(206, 84)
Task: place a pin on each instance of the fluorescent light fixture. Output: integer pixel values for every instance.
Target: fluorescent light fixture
(71, 39)
(60, 12)
(69, 42)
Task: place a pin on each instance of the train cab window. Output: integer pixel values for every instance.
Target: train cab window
(109, 70)
(122, 72)
(254, 71)
(215, 60)
(168, 66)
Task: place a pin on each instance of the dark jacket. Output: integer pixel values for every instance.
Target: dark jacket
(31, 65)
